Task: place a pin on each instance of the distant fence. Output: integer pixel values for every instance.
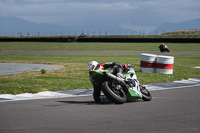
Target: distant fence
(175, 40)
(38, 39)
(100, 39)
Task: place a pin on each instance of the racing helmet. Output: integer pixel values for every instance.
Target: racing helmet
(92, 65)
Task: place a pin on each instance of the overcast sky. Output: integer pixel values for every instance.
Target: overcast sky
(129, 14)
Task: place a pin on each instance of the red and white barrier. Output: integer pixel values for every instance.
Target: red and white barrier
(164, 64)
(156, 63)
(147, 62)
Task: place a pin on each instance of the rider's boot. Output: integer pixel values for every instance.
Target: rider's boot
(96, 94)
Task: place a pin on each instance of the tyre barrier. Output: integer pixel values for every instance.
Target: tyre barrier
(156, 63)
(164, 64)
(148, 62)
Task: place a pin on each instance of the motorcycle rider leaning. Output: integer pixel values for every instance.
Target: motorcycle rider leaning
(163, 48)
(115, 68)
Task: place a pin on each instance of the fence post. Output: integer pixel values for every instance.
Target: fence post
(106, 33)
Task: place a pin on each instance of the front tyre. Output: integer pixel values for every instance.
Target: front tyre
(114, 92)
(146, 95)
(167, 50)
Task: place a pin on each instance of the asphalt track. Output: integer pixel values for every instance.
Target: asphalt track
(170, 111)
(11, 68)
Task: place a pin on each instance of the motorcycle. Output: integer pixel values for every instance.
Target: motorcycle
(164, 49)
(120, 89)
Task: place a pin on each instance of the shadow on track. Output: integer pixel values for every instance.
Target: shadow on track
(86, 102)
(95, 103)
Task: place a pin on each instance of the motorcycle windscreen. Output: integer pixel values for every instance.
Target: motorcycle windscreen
(133, 95)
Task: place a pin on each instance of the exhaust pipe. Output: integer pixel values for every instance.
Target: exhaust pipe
(113, 77)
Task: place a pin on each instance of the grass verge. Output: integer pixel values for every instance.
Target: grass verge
(77, 46)
(74, 75)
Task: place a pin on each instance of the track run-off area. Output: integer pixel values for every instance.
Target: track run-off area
(8, 68)
(89, 92)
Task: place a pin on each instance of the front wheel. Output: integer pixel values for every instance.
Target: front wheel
(146, 95)
(167, 50)
(114, 92)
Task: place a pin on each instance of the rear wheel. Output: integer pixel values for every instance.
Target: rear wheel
(114, 92)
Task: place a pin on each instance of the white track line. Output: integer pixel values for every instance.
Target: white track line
(88, 92)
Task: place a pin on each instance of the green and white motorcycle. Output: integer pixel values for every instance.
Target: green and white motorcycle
(120, 89)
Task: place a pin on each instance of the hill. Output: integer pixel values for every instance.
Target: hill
(183, 32)
(193, 24)
(13, 26)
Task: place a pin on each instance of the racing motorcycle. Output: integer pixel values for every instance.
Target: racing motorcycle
(164, 48)
(118, 88)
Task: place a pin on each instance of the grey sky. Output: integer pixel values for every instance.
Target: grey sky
(128, 14)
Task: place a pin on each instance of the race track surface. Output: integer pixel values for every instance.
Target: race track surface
(11, 68)
(170, 111)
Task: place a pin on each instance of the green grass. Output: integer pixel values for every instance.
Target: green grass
(74, 75)
(76, 46)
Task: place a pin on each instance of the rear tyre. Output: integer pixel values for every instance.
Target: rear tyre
(114, 92)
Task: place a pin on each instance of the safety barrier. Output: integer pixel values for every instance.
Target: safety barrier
(147, 62)
(100, 39)
(164, 64)
(156, 63)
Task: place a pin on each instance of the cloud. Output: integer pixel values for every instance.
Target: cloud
(41, 11)
(58, 7)
(129, 14)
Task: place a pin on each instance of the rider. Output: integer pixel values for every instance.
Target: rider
(115, 68)
(162, 47)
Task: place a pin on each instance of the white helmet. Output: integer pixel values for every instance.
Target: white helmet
(92, 65)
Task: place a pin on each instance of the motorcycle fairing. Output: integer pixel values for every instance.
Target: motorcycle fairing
(97, 75)
(131, 74)
(133, 94)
